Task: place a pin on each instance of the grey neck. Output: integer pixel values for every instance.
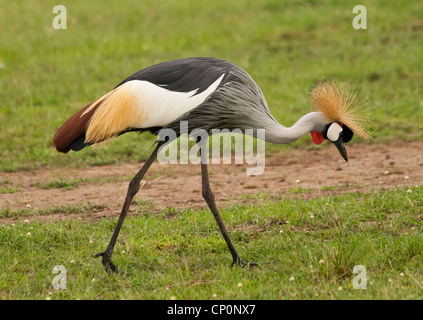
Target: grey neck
(313, 121)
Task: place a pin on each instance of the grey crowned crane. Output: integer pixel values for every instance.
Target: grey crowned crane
(208, 94)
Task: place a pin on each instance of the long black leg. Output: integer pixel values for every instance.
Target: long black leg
(209, 197)
(133, 188)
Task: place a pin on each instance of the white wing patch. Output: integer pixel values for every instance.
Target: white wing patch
(140, 104)
(161, 106)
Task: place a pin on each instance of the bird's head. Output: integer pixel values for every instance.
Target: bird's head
(337, 133)
(343, 115)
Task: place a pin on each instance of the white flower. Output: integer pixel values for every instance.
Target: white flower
(386, 173)
(28, 234)
(172, 298)
(339, 288)
(409, 191)
(321, 261)
(406, 177)
(402, 274)
(26, 221)
(28, 206)
(239, 285)
(297, 181)
(291, 279)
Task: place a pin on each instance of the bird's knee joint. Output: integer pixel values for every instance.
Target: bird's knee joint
(134, 186)
(207, 194)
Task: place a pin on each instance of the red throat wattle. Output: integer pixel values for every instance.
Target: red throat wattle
(317, 137)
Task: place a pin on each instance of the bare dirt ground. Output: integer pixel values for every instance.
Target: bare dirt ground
(319, 171)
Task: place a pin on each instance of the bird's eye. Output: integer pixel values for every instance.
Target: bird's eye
(334, 132)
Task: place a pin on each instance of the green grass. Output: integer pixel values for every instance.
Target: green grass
(46, 75)
(7, 190)
(312, 247)
(81, 208)
(60, 183)
(73, 183)
(7, 187)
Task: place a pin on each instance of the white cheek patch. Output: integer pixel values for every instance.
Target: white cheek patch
(334, 131)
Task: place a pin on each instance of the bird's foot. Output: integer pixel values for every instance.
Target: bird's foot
(109, 266)
(237, 261)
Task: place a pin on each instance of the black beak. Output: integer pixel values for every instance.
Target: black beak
(341, 148)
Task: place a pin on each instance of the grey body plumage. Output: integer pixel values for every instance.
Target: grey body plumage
(237, 103)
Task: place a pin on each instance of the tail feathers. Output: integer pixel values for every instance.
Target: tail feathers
(113, 114)
(71, 135)
(79, 144)
(117, 112)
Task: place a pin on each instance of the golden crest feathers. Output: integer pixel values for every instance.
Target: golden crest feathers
(339, 104)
